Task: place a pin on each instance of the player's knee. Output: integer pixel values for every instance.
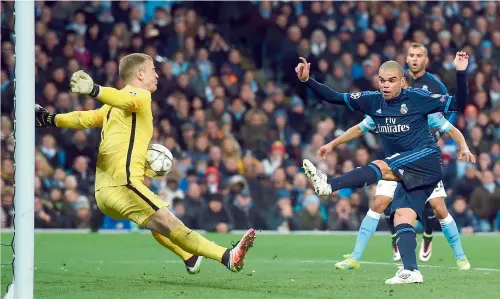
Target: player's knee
(386, 171)
(384, 167)
(440, 209)
(380, 203)
(163, 222)
(405, 216)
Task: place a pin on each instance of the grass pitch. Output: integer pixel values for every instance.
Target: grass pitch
(279, 266)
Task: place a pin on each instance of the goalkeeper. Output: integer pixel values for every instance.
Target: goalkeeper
(127, 127)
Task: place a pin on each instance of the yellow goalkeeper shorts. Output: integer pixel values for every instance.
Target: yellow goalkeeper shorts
(134, 202)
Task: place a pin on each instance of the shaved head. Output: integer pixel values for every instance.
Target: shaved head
(391, 79)
(390, 66)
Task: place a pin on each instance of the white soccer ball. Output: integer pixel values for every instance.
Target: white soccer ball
(159, 161)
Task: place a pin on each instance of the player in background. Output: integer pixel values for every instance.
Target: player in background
(412, 155)
(127, 127)
(417, 60)
(385, 193)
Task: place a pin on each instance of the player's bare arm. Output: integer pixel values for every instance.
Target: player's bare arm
(351, 134)
(465, 153)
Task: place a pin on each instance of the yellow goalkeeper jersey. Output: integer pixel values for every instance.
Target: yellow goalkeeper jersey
(127, 128)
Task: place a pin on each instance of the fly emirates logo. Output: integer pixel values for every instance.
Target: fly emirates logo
(391, 126)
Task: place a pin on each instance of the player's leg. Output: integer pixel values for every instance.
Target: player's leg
(383, 196)
(420, 170)
(357, 178)
(390, 223)
(407, 205)
(448, 226)
(158, 218)
(119, 203)
(192, 262)
(164, 222)
(429, 219)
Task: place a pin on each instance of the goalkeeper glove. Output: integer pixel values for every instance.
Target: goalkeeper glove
(44, 118)
(82, 83)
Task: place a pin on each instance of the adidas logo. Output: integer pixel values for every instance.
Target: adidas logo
(379, 111)
(401, 171)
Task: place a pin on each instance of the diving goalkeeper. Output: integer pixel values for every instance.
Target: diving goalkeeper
(127, 127)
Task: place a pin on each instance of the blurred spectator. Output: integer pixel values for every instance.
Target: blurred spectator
(194, 205)
(216, 218)
(485, 201)
(464, 216)
(341, 217)
(467, 184)
(281, 218)
(243, 212)
(310, 217)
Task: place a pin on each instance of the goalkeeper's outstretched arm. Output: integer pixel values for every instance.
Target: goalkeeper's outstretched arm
(82, 83)
(73, 120)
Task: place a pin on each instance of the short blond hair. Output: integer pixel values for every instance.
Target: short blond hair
(419, 45)
(392, 65)
(130, 63)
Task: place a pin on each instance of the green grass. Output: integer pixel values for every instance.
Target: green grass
(283, 266)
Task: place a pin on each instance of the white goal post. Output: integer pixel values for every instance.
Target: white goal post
(24, 154)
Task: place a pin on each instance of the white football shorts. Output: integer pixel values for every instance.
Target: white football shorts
(387, 188)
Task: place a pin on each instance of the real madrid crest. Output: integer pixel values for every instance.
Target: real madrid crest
(356, 95)
(404, 109)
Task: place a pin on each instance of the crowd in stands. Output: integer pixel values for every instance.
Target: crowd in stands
(231, 109)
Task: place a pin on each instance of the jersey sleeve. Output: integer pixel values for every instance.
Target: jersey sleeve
(82, 119)
(123, 99)
(430, 103)
(367, 125)
(360, 101)
(438, 122)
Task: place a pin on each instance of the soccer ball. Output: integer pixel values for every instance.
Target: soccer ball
(159, 161)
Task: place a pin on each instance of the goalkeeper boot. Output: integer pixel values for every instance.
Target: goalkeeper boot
(318, 177)
(193, 264)
(349, 263)
(240, 250)
(463, 264)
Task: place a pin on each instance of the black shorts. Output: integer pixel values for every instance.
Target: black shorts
(414, 199)
(417, 168)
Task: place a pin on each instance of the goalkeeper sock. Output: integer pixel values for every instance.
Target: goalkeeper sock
(165, 242)
(195, 243)
(366, 230)
(450, 231)
(357, 178)
(407, 243)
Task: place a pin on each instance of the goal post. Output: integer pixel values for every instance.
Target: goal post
(24, 154)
